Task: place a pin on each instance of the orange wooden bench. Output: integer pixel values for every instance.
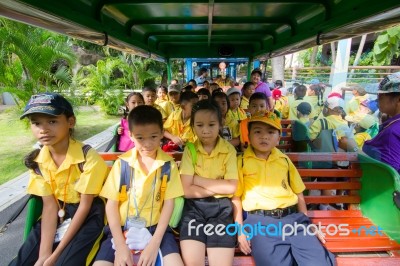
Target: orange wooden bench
(358, 247)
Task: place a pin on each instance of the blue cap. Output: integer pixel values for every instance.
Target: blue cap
(47, 103)
(314, 81)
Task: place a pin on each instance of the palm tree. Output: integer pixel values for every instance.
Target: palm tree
(28, 59)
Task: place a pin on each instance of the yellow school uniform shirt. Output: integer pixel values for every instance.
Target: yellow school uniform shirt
(293, 109)
(354, 104)
(232, 123)
(175, 106)
(335, 122)
(263, 184)
(239, 115)
(54, 179)
(316, 109)
(244, 103)
(144, 187)
(163, 113)
(220, 163)
(175, 126)
(282, 105)
(166, 106)
(360, 139)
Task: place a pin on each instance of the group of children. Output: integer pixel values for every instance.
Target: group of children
(143, 183)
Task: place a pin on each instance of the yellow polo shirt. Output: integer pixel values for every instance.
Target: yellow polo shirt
(316, 109)
(282, 105)
(232, 123)
(148, 201)
(163, 113)
(293, 109)
(354, 104)
(166, 106)
(244, 103)
(220, 163)
(360, 139)
(54, 179)
(335, 122)
(175, 126)
(239, 115)
(263, 184)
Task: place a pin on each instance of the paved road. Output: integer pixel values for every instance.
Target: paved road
(11, 239)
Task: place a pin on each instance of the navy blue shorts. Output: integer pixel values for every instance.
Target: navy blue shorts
(168, 244)
(210, 212)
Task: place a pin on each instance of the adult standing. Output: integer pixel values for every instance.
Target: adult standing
(203, 74)
(262, 87)
(385, 146)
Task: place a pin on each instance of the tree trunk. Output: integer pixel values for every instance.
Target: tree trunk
(313, 56)
(359, 52)
(278, 68)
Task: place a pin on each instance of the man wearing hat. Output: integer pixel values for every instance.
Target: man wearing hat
(262, 87)
(270, 189)
(174, 91)
(385, 146)
(359, 95)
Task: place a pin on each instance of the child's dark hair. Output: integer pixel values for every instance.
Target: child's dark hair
(206, 105)
(217, 90)
(187, 96)
(149, 89)
(319, 91)
(144, 115)
(138, 94)
(204, 91)
(258, 96)
(162, 87)
(300, 92)
(192, 81)
(220, 94)
(279, 83)
(29, 159)
(247, 85)
(187, 88)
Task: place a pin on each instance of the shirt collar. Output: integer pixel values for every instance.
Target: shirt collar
(389, 121)
(131, 157)
(221, 147)
(74, 155)
(274, 155)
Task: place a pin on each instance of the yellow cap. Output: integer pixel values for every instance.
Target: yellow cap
(365, 121)
(268, 118)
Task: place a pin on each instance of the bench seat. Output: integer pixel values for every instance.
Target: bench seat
(357, 248)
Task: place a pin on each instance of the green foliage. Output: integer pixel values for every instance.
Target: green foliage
(366, 59)
(387, 46)
(28, 60)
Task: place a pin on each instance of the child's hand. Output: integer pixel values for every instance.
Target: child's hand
(50, 261)
(123, 256)
(149, 254)
(244, 244)
(41, 260)
(177, 140)
(119, 130)
(319, 234)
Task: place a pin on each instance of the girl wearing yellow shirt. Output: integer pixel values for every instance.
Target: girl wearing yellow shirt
(209, 178)
(68, 177)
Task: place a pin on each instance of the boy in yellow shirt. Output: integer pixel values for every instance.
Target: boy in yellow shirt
(141, 210)
(270, 189)
(150, 96)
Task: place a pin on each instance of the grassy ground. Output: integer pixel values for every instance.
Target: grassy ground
(16, 139)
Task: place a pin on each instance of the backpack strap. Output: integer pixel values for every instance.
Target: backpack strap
(193, 152)
(85, 150)
(288, 173)
(165, 176)
(324, 124)
(125, 176)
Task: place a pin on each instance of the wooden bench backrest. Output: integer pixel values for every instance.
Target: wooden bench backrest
(348, 178)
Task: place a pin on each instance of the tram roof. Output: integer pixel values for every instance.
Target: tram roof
(207, 29)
